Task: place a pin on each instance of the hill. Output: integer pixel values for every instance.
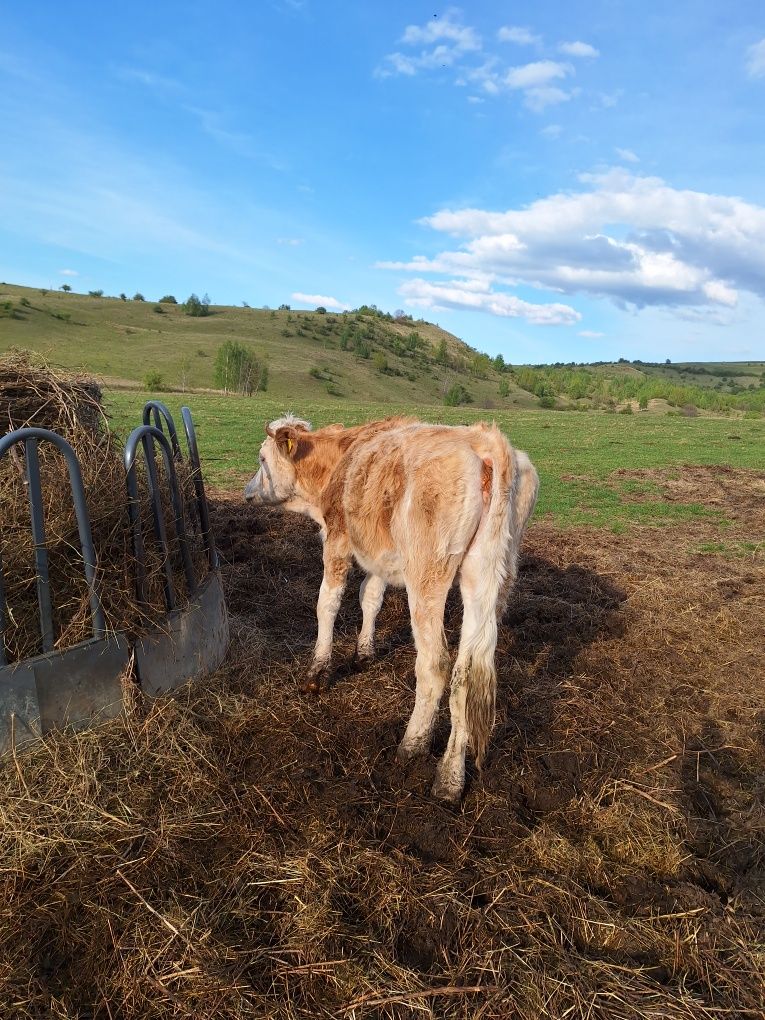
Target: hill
(363, 355)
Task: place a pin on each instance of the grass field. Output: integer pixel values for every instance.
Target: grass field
(576, 454)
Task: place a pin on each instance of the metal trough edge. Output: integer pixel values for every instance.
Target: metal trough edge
(81, 686)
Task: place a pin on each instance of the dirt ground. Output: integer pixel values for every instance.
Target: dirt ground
(245, 851)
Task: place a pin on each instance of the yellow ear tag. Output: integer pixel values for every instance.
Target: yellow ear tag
(290, 444)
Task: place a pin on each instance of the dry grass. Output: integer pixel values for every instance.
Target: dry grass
(241, 851)
(31, 393)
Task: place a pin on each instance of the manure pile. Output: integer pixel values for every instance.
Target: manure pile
(242, 851)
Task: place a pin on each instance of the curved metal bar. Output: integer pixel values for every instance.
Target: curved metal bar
(34, 492)
(30, 438)
(3, 657)
(159, 411)
(199, 487)
(146, 435)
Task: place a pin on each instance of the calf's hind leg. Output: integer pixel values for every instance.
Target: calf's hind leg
(370, 598)
(473, 686)
(432, 665)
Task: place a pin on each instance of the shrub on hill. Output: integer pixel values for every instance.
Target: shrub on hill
(153, 381)
(456, 395)
(238, 370)
(195, 307)
(168, 299)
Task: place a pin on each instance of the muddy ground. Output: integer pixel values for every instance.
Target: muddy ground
(246, 851)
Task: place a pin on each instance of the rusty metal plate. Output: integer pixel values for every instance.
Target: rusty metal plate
(193, 645)
(79, 686)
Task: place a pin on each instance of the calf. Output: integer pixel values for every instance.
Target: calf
(415, 505)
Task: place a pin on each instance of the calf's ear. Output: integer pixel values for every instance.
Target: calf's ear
(286, 440)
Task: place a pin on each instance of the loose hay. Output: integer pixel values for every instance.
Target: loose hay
(244, 852)
(33, 394)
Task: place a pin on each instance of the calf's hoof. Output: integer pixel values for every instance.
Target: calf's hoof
(448, 785)
(317, 678)
(364, 654)
(409, 749)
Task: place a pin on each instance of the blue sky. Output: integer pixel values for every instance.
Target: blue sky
(559, 181)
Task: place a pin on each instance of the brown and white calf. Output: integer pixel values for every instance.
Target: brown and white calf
(416, 505)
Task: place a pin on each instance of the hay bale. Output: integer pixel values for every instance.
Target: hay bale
(32, 393)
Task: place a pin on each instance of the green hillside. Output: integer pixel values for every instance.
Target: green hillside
(364, 355)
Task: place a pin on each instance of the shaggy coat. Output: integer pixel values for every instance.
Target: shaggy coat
(416, 505)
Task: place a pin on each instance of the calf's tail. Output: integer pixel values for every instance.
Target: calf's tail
(494, 563)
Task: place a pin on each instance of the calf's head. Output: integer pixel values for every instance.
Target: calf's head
(276, 480)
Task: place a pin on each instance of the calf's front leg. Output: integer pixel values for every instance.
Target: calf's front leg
(336, 562)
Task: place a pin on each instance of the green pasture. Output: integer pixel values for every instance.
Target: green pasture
(576, 453)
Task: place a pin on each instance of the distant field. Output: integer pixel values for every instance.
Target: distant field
(575, 453)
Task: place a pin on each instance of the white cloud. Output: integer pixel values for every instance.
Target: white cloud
(590, 334)
(535, 79)
(68, 272)
(538, 99)
(291, 241)
(319, 299)
(520, 36)
(635, 240)
(448, 27)
(448, 41)
(578, 49)
(755, 60)
(538, 73)
(607, 100)
(448, 44)
(551, 131)
(477, 296)
(627, 155)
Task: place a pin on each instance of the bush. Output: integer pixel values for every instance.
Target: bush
(95, 293)
(154, 381)
(196, 307)
(380, 362)
(441, 354)
(689, 411)
(457, 395)
(504, 387)
(547, 401)
(238, 370)
(123, 297)
(321, 310)
(138, 296)
(627, 409)
(168, 299)
(159, 309)
(25, 302)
